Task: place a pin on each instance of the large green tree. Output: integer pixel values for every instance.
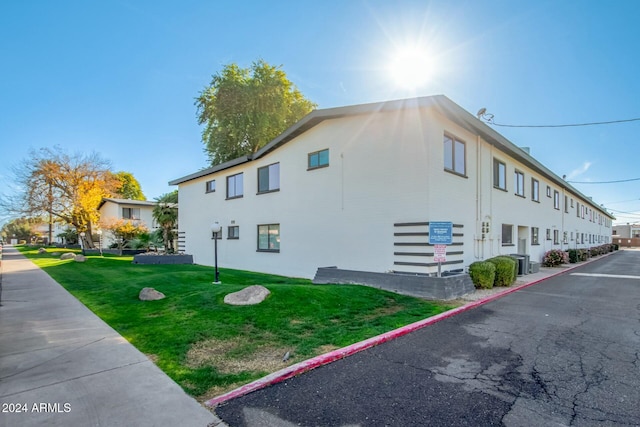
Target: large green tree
(129, 187)
(245, 108)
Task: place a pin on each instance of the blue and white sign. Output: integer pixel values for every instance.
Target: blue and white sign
(440, 233)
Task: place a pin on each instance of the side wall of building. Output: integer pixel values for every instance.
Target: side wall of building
(369, 208)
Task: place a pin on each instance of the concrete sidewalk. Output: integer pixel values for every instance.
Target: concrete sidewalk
(60, 365)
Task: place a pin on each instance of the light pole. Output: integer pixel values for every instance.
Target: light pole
(215, 229)
(100, 237)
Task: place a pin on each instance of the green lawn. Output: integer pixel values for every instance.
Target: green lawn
(209, 347)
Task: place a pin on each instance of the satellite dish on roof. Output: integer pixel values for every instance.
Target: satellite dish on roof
(481, 112)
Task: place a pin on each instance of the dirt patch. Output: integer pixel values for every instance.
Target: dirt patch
(383, 311)
(236, 356)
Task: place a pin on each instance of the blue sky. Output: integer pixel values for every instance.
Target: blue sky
(120, 77)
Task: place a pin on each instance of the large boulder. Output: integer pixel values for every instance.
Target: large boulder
(150, 294)
(68, 255)
(42, 251)
(80, 258)
(248, 296)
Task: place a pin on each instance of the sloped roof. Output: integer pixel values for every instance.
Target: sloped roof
(440, 103)
(126, 202)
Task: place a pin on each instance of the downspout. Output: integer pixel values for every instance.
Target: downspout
(479, 238)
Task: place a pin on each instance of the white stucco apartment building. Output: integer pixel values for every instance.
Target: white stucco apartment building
(139, 212)
(355, 187)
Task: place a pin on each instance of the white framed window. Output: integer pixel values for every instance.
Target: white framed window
(556, 200)
(455, 155)
(507, 234)
(269, 178)
(535, 231)
(235, 186)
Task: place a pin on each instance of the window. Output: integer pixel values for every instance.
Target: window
(217, 235)
(535, 190)
(519, 183)
(578, 210)
(566, 204)
(269, 178)
(507, 234)
(556, 235)
(269, 238)
(565, 237)
(131, 213)
(534, 236)
(556, 200)
(210, 186)
(318, 159)
(572, 236)
(572, 202)
(454, 155)
(233, 232)
(234, 186)
(499, 175)
(548, 191)
(548, 234)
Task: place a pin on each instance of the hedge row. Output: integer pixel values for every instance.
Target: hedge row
(497, 271)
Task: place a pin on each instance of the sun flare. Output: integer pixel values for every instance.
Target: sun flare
(411, 67)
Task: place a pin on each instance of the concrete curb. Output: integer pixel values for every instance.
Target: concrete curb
(324, 359)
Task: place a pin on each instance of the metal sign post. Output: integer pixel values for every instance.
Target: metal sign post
(440, 235)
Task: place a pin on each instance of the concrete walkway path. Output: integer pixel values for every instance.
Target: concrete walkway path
(60, 365)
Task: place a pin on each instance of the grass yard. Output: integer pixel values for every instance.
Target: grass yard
(209, 347)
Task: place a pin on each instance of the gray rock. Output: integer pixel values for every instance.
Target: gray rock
(248, 296)
(150, 294)
(80, 258)
(68, 255)
(42, 251)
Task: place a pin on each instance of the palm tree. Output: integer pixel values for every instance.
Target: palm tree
(165, 212)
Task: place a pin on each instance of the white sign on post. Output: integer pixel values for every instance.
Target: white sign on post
(440, 253)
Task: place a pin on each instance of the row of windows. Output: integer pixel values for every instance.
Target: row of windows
(455, 162)
(580, 238)
(268, 236)
(268, 176)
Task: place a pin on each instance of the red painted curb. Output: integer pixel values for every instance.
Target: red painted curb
(324, 359)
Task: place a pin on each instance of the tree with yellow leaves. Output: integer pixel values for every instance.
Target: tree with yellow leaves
(66, 188)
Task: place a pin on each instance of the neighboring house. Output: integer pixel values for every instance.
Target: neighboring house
(355, 187)
(140, 212)
(626, 231)
(42, 232)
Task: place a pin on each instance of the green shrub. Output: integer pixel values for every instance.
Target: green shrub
(555, 257)
(506, 270)
(482, 274)
(615, 246)
(574, 256)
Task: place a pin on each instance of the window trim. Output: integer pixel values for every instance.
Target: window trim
(320, 166)
(270, 190)
(233, 236)
(496, 174)
(132, 216)
(268, 229)
(535, 236)
(535, 190)
(510, 242)
(556, 200)
(453, 169)
(207, 188)
(234, 185)
(518, 177)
